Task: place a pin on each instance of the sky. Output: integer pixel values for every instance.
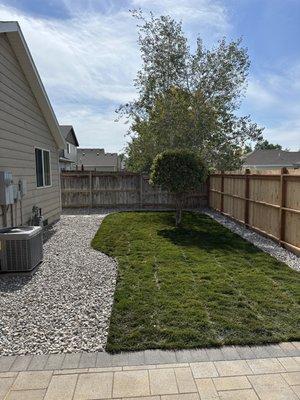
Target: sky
(87, 55)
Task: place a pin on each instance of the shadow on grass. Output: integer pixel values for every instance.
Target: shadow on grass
(208, 240)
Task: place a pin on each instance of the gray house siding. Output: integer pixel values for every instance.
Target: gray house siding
(97, 160)
(22, 129)
(68, 156)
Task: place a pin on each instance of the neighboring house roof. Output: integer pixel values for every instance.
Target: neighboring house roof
(272, 158)
(69, 134)
(96, 157)
(21, 50)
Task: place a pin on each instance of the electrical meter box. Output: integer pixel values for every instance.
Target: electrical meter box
(6, 188)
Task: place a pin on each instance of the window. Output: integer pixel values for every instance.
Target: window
(68, 148)
(42, 166)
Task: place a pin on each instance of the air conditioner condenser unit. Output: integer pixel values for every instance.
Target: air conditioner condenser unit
(21, 248)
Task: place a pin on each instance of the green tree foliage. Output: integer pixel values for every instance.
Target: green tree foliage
(185, 99)
(247, 149)
(265, 145)
(179, 172)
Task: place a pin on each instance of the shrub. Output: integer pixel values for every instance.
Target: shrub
(179, 172)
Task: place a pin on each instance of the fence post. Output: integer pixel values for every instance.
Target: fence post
(208, 190)
(222, 192)
(141, 190)
(247, 203)
(91, 189)
(282, 194)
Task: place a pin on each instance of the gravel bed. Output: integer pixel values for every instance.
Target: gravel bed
(65, 305)
(267, 245)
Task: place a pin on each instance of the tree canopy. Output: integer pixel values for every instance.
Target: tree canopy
(262, 145)
(265, 145)
(187, 99)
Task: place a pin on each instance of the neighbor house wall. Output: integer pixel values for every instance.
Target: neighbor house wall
(71, 155)
(22, 128)
(102, 168)
(97, 160)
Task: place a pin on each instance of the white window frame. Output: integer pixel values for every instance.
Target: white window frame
(43, 169)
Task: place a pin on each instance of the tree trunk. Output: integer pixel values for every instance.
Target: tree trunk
(179, 206)
(178, 216)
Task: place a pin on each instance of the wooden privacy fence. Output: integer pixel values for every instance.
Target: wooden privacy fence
(119, 189)
(268, 203)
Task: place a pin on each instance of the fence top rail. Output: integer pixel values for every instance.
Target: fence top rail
(242, 176)
(257, 176)
(105, 173)
(260, 172)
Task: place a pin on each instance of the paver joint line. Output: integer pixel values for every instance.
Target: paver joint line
(172, 383)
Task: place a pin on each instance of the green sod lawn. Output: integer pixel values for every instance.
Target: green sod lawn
(195, 286)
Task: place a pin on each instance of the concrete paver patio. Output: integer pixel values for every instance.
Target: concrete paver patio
(93, 376)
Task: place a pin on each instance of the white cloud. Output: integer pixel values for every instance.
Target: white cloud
(286, 133)
(259, 94)
(88, 62)
(84, 56)
(278, 89)
(206, 18)
(209, 13)
(98, 129)
(275, 103)
(91, 59)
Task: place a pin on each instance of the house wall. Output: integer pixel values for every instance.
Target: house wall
(102, 168)
(22, 128)
(98, 160)
(65, 166)
(71, 155)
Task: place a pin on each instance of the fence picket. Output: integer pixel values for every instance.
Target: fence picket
(266, 203)
(115, 189)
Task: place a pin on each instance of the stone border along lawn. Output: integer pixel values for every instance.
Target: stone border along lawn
(200, 285)
(66, 304)
(262, 242)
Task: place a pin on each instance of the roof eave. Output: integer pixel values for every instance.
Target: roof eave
(268, 165)
(74, 135)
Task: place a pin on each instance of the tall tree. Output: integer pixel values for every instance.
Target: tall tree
(186, 100)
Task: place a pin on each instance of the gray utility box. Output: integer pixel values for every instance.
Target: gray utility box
(21, 248)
